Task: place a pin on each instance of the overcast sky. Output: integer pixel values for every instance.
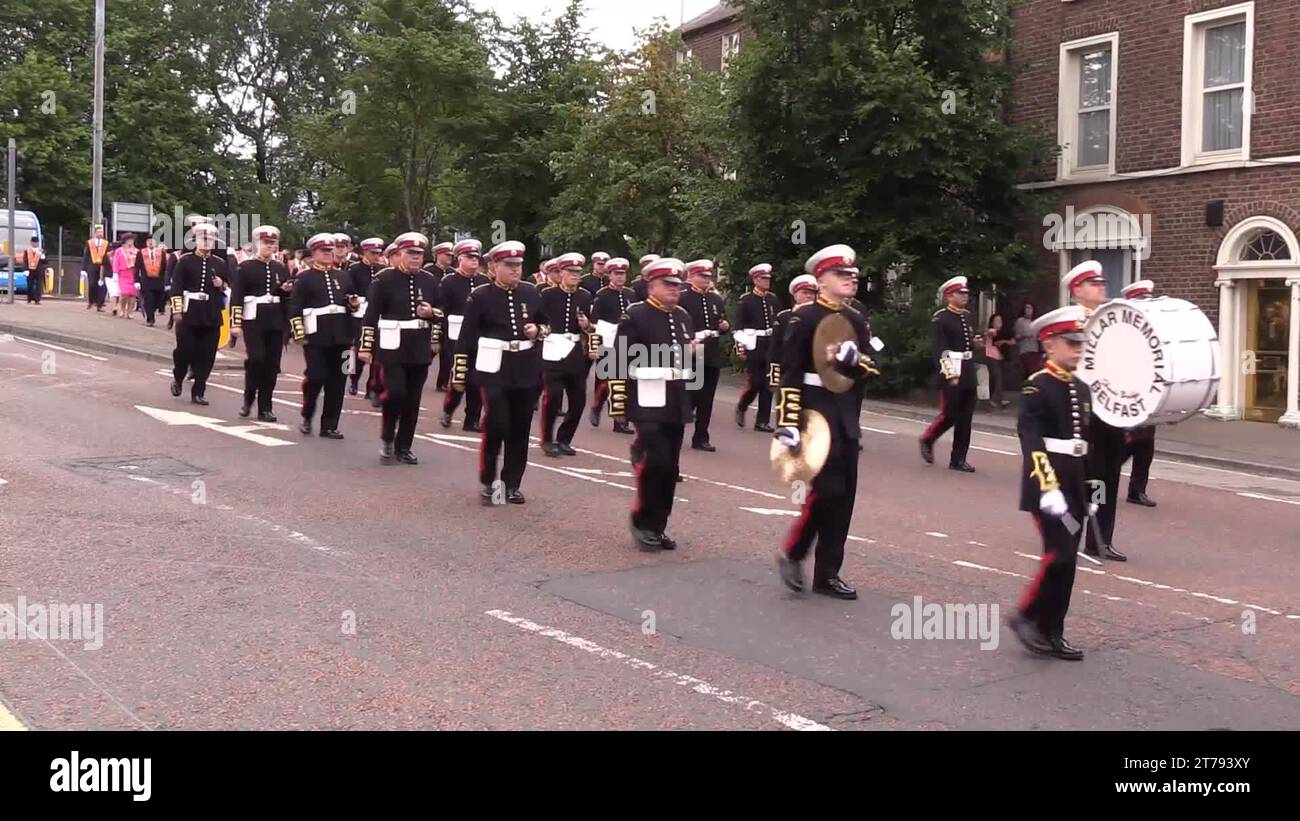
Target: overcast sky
(612, 21)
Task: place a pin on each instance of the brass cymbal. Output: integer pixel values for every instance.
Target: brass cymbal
(832, 330)
(802, 464)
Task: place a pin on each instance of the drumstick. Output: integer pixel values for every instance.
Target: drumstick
(1084, 541)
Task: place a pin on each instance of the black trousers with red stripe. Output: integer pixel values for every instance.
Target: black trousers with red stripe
(559, 385)
(403, 388)
(473, 402)
(326, 371)
(756, 386)
(509, 416)
(1047, 598)
(656, 458)
(827, 512)
(956, 413)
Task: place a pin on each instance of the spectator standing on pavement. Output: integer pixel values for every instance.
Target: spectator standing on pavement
(1026, 343)
(150, 270)
(995, 342)
(124, 264)
(92, 266)
(33, 260)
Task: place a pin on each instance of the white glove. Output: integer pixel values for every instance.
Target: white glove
(847, 355)
(83, 273)
(1053, 504)
(788, 437)
(1092, 508)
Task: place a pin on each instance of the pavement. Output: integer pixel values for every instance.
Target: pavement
(251, 577)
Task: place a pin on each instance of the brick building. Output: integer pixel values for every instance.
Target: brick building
(712, 37)
(1179, 122)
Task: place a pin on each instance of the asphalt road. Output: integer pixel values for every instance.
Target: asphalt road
(250, 577)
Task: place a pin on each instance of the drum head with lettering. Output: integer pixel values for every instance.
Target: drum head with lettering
(1124, 364)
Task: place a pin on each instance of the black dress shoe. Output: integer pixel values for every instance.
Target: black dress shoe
(485, 496)
(445, 420)
(791, 572)
(594, 417)
(835, 588)
(1029, 634)
(515, 497)
(705, 446)
(647, 539)
(386, 453)
(245, 409)
(176, 388)
(927, 452)
(407, 458)
(330, 434)
(964, 467)
(551, 449)
(1141, 499)
(376, 401)
(567, 449)
(1062, 649)
(680, 478)
(623, 427)
(763, 427)
(667, 542)
(1109, 552)
(199, 400)
(473, 427)
(266, 416)
(305, 426)
(740, 417)
(352, 389)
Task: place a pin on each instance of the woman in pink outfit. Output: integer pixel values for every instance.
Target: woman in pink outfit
(124, 268)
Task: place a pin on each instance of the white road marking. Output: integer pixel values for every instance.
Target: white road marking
(974, 566)
(862, 539)
(994, 450)
(792, 720)
(977, 544)
(878, 430)
(624, 460)
(1269, 498)
(936, 534)
(59, 348)
(3, 482)
(245, 432)
(768, 511)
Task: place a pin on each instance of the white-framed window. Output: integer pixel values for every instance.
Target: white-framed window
(1087, 106)
(1218, 56)
(685, 56)
(730, 47)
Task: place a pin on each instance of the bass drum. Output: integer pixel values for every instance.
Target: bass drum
(1150, 361)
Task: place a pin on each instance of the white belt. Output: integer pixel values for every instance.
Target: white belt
(505, 344)
(403, 324)
(1067, 447)
(959, 354)
(328, 309)
(262, 300)
(668, 374)
(570, 337)
(812, 379)
(705, 334)
(756, 332)
(199, 296)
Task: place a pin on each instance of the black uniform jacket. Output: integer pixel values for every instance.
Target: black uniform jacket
(1054, 404)
(840, 409)
(195, 273)
(952, 332)
(319, 288)
(497, 313)
(707, 310)
(559, 310)
(758, 312)
(255, 278)
(781, 322)
(654, 336)
(394, 297)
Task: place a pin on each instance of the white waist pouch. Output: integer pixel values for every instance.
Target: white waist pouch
(748, 338)
(607, 331)
(390, 331)
(193, 296)
(310, 315)
(556, 347)
(453, 325)
(361, 309)
(488, 359)
(251, 303)
(652, 384)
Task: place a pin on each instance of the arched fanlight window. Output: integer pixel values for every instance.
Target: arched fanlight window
(1265, 245)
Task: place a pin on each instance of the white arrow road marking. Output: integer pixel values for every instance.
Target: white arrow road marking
(769, 511)
(245, 432)
(792, 720)
(3, 482)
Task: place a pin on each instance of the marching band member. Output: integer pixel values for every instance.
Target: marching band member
(440, 267)
(638, 285)
(456, 288)
(319, 308)
(803, 289)
(255, 311)
(655, 398)
(92, 265)
(828, 507)
(954, 343)
(501, 333)
(553, 274)
(1055, 411)
(342, 253)
(197, 294)
(596, 280)
(1141, 441)
(1086, 283)
(756, 317)
(360, 274)
(708, 313)
(566, 310)
(401, 329)
(610, 304)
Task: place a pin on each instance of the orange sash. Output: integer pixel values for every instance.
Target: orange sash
(152, 262)
(97, 249)
(33, 259)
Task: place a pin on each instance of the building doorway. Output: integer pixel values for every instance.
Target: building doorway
(1268, 318)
